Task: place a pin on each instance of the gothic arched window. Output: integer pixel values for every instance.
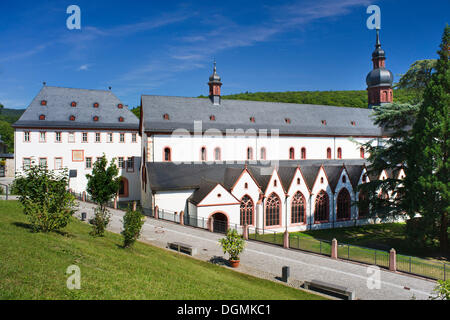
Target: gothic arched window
(247, 210)
(339, 153)
(322, 207)
(329, 153)
(273, 210)
(291, 154)
(343, 205)
(303, 153)
(298, 208)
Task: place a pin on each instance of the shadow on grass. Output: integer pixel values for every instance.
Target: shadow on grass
(30, 228)
(220, 261)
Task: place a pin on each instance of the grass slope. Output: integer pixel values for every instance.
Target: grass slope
(33, 266)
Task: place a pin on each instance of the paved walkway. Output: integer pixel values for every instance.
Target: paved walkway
(266, 261)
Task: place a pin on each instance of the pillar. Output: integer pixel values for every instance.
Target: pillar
(115, 202)
(156, 212)
(182, 218)
(83, 197)
(392, 260)
(334, 249)
(286, 239)
(245, 232)
(211, 224)
(134, 205)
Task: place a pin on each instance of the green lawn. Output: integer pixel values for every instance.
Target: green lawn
(33, 266)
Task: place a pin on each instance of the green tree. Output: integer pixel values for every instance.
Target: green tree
(418, 75)
(7, 135)
(132, 226)
(233, 244)
(46, 201)
(441, 291)
(427, 181)
(103, 185)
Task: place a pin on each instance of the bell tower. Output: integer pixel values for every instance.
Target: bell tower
(379, 80)
(214, 86)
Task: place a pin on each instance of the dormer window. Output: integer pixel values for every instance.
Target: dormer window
(120, 106)
(252, 119)
(121, 119)
(72, 118)
(287, 120)
(42, 117)
(212, 117)
(73, 104)
(43, 102)
(324, 122)
(96, 118)
(96, 105)
(166, 117)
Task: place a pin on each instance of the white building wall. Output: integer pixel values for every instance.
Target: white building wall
(293, 189)
(50, 149)
(252, 190)
(173, 200)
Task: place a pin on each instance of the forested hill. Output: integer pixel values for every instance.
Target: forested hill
(354, 98)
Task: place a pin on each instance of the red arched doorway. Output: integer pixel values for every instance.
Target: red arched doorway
(220, 222)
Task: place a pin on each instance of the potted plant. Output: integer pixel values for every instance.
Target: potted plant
(233, 244)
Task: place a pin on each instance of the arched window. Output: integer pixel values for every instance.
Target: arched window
(247, 209)
(203, 154)
(361, 153)
(322, 207)
(123, 187)
(363, 205)
(329, 153)
(249, 153)
(263, 153)
(167, 154)
(217, 154)
(343, 205)
(273, 210)
(339, 153)
(303, 153)
(291, 154)
(298, 208)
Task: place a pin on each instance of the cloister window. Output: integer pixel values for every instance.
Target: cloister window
(273, 210)
(298, 208)
(167, 154)
(217, 154)
(303, 153)
(339, 153)
(203, 154)
(322, 207)
(329, 153)
(263, 154)
(363, 205)
(247, 210)
(249, 153)
(343, 205)
(291, 154)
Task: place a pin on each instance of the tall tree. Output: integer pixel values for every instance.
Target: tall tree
(418, 75)
(428, 164)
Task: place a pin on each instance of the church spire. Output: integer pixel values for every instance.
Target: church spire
(379, 80)
(214, 86)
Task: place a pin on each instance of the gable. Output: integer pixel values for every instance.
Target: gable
(218, 196)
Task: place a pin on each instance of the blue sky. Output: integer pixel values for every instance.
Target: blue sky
(167, 47)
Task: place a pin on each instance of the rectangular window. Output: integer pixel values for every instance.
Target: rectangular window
(26, 163)
(97, 137)
(121, 163)
(43, 162)
(130, 164)
(122, 137)
(42, 136)
(134, 137)
(85, 137)
(88, 163)
(26, 136)
(58, 136)
(71, 137)
(110, 137)
(58, 163)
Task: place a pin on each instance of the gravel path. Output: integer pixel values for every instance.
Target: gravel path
(266, 261)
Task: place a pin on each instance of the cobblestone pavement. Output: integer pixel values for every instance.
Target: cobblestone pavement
(266, 261)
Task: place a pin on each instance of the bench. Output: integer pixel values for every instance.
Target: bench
(182, 247)
(329, 288)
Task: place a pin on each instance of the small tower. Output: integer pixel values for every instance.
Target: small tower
(379, 80)
(214, 87)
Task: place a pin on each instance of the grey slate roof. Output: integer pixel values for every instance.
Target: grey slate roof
(236, 114)
(204, 188)
(58, 110)
(166, 176)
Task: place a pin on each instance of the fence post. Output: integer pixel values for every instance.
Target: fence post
(392, 260)
(245, 233)
(156, 212)
(84, 196)
(134, 205)
(115, 202)
(182, 218)
(286, 240)
(211, 224)
(334, 249)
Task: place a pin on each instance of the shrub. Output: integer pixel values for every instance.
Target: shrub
(441, 291)
(132, 225)
(233, 244)
(100, 221)
(46, 201)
